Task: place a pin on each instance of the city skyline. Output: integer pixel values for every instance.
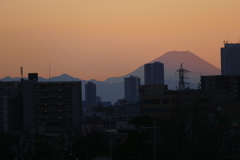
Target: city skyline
(102, 39)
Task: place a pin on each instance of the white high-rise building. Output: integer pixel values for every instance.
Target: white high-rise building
(230, 59)
(154, 73)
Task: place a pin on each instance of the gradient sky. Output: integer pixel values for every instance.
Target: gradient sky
(97, 39)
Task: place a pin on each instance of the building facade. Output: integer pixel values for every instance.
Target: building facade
(52, 103)
(230, 55)
(154, 73)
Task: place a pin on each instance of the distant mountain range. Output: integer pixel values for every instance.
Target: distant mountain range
(112, 89)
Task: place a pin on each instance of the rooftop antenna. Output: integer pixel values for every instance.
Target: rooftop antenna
(225, 41)
(182, 77)
(49, 71)
(21, 72)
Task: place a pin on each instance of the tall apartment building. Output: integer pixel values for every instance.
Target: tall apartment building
(131, 86)
(230, 56)
(154, 73)
(90, 94)
(55, 103)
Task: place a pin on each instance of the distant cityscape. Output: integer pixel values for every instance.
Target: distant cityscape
(71, 117)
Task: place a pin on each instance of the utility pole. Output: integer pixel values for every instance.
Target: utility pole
(154, 137)
(110, 140)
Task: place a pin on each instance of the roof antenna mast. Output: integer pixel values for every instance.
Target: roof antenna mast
(49, 71)
(21, 72)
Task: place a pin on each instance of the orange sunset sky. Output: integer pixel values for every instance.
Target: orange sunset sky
(97, 39)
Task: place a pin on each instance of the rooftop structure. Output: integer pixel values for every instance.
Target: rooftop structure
(230, 59)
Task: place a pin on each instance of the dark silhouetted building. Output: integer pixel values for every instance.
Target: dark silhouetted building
(222, 83)
(131, 86)
(33, 77)
(90, 94)
(157, 101)
(50, 103)
(230, 56)
(154, 73)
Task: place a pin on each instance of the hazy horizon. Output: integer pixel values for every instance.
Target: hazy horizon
(101, 39)
(193, 63)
